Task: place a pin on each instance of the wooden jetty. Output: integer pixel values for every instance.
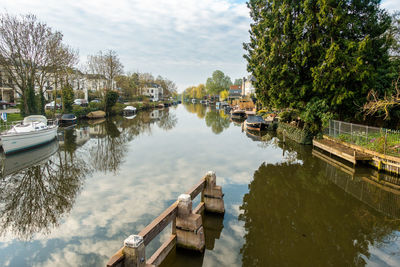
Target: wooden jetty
(187, 228)
(342, 151)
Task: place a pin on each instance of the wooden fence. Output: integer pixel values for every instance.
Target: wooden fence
(187, 229)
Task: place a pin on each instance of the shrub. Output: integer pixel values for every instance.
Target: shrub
(96, 106)
(110, 100)
(80, 112)
(117, 108)
(289, 116)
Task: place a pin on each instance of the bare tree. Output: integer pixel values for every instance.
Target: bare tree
(106, 64)
(376, 104)
(29, 51)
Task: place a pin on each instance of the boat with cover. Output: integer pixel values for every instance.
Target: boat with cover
(129, 110)
(67, 119)
(33, 131)
(256, 123)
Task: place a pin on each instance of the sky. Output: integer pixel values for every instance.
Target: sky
(184, 41)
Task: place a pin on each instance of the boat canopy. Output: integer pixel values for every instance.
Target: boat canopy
(35, 118)
(255, 119)
(130, 108)
(68, 116)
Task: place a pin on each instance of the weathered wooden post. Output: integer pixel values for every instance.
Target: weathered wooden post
(189, 226)
(212, 194)
(134, 251)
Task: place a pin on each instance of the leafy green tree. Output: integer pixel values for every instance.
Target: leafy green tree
(200, 91)
(67, 98)
(238, 82)
(218, 82)
(224, 94)
(322, 50)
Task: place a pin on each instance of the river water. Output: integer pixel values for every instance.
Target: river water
(74, 201)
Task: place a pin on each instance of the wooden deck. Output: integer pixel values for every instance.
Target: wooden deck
(341, 151)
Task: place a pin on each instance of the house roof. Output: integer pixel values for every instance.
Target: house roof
(235, 87)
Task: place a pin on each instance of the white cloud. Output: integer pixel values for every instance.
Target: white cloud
(182, 40)
(391, 5)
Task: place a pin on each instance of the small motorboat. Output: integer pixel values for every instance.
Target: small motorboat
(129, 111)
(33, 131)
(255, 123)
(68, 119)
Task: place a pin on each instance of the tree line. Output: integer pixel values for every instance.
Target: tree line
(217, 84)
(34, 58)
(321, 58)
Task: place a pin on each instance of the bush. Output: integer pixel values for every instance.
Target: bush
(80, 112)
(96, 106)
(117, 108)
(111, 99)
(289, 116)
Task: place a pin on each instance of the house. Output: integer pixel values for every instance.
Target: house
(235, 92)
(8, 93)
(247, 85)
(154, 91)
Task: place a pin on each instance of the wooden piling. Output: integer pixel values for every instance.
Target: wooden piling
(213, 196)
(187, 229)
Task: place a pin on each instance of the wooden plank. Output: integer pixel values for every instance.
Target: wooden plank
(199, 209)
(364, 150)
(332, 150)
(195, 190)
(116, 258)
(159, 256)
(158, 224)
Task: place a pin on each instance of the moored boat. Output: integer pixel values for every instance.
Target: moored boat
(67, 119)
(255, 123)
(96, 114)
(238, 114)
(33, 131)
(129, 111)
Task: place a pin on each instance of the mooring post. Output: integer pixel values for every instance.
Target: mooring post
(189, 226)
(213, 196)
(134, 251)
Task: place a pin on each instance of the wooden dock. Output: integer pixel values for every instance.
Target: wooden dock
(341, 151)
(187, 228)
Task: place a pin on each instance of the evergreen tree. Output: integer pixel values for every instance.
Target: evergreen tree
(313, 50)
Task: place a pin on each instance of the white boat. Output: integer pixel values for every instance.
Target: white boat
(31, 132)
(129, 110)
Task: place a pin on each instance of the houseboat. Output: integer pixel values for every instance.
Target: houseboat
(255, 123)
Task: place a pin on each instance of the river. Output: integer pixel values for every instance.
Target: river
(73, 202)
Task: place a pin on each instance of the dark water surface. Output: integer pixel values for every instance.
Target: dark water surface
(73, 202)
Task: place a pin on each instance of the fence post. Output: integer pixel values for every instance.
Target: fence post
(213, 196)
(384, 146)
(134, 251)
(189, 226)
(351, 132)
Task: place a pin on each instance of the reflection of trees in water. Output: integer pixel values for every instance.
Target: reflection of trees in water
(111, 137)
(294, 216)
(109, 149)
(198, 109)
(167, 121)
(216, 122)
(34, 199)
